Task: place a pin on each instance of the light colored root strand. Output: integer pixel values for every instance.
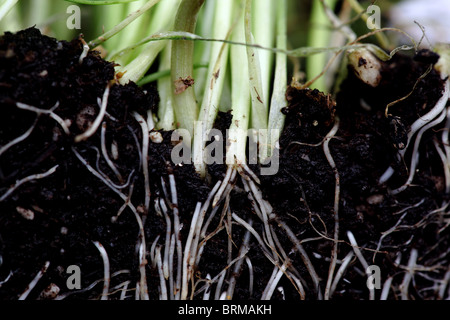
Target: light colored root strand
(20, 138)
(298, 246)
(145, 142)
(177, 228)
(106, 156)
(187, 267)
(415, 153)
(98, 120)
(28, 179)
(141, 237)
(409, 274)
(361, 259)
(162, 283)
(394, 228)
(106, 270)
(330, 159)
(35, 280)
(238, 266)
(50, 112)
(224, 184)
(340, 272)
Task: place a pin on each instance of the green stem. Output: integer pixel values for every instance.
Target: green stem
(240, 98)
(318, 37)
(263, 30)
(165, 111)
(214, 81)
(276, 118)
(259, 107)
(6, 6)
(106, 18)
(107, 35)
(10, 16)
(139, 66)
(135, 31)
(185, 105)
(202, 50)
(164, 73)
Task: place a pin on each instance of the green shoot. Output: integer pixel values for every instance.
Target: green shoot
(276, 118)
(185, 104)
(240, 97)
(263, 29)
(124, 23)
(215, 80)
(319, 36)
(6, 6)
(165, 111)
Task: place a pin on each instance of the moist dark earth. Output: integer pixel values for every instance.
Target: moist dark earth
(73, 208)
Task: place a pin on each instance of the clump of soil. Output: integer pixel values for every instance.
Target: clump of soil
(72, 207)
(365, 145)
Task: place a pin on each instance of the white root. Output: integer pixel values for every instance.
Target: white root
(207, 292)
(404, 286)
(340, 272)
(273, 282)
(142, 262)
(105, 153)
(106, 270)
(251, 276)
(415, 154)
(445, 164)
(303, 254)
(162, 283)
(187, 267)
(145, 141)
(337, 189)
(261, 242)
(225, 182)
(33, 282)
(443, 285)
(395, 227)
(361, 259)
(264, 217)
(161, 206)
(238, 266)
(27, 179)
(85, 51)
(433, 113)
(152, 251)
(386, 288)
(22, 137)
(93, 128)
(420, 123)
(220, 277)
(50, 112)
(177, 228)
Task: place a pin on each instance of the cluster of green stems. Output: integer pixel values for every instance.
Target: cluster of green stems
(211, 55)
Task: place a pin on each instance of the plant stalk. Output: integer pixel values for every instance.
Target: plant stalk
(185, 104)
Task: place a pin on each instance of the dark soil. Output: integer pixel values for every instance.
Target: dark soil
(72, 208)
